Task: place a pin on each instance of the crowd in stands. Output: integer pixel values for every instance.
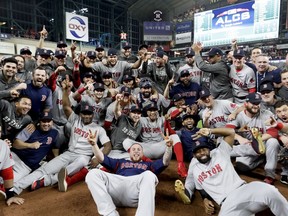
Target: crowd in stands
(58, 111)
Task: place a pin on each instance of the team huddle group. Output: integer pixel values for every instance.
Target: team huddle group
(115, 120)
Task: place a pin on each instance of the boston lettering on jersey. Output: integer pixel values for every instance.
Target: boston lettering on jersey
(196, 73)
(216, 119)
(81, 132)
(237, 82)
(116, 75)
(126, 165)
(12, 122)
(151, 130)
(213, 171)
(129, 133)
(188, 94)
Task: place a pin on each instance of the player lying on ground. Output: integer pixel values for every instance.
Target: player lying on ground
(214, 173)
(133, 183)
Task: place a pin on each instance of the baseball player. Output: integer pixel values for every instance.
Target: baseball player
(30, 148)
(6, 172)
(281, 110)
(60, 122)
(248, 120)
(195, 73)
(96, 100)
(149, 95)
(116, 67)
(214, 173)
(133, 183)
(242, 77)
(125, 102)
(14, 116)
(39, 93)
(217, 112)
(186, 132)
(220, 86)
(151, 140)
(78, 154)
(126, 125)
(187, 88)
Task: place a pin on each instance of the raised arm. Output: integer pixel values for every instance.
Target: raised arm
(93, 142)
(65, 98)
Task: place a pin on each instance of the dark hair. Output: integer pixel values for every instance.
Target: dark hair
(14, 56)
(39, 68)
(21, 97)
(280, 103)
(283, 71)
(10, 59)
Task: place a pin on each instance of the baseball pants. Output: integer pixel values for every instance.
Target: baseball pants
(254, 197)
(111, 190)
(49, 171)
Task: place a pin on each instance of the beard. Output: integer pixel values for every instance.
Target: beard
(204, 160)
(253, 110)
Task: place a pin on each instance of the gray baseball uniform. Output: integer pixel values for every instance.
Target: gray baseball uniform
(220, 180)
(241, 82)
(245, 153)
(77, 156)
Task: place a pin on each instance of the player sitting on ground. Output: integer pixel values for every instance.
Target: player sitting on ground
(133, 183)
(214, 173)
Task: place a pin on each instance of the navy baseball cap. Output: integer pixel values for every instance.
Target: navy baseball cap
(195, 118)
(25, 50)
(254, 98)
(126, 45)
(112, 52)
(143, 46)
(91, 54)
(99, 86)
(184, 73)
(89, 74)
(239, 53)
(127, 78)
(199, 145)
(266, 87)
(99, 47)
(190, 52)
(135, 109)
(177, 97)
(86, 108)
(215, 51)
(160, 54)
(107, 74)
(45, 52)
(61, 44)
(204, 93)
(151, 106)
(125, 90)
(59, 53)
(46, 116)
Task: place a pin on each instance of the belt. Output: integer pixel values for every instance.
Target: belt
(226, 197)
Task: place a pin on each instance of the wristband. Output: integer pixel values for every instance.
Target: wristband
(210, 132)
(279, 126)
(9, 193)
(81, 90)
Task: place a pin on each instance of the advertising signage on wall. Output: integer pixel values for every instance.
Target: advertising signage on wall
(157, 31)
(250, 21)
(183, 32)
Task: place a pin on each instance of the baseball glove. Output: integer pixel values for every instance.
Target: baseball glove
(283, 157)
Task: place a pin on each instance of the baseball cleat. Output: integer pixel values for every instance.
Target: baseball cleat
(62, 183)
(283, 180)
(37, 184)
(180, 190)
(257, 142)
(182, 170)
